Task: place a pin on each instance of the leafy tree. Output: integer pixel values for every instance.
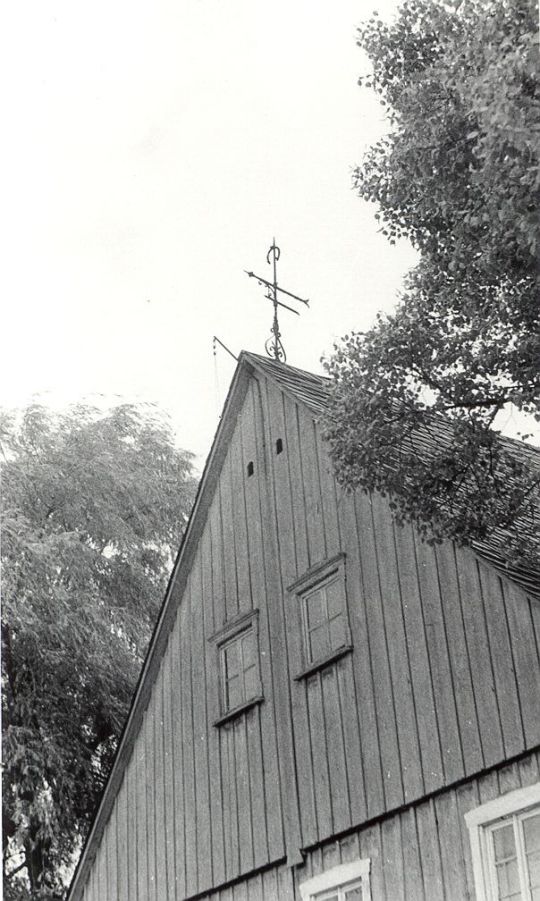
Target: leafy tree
(458, 176)
(94, 505)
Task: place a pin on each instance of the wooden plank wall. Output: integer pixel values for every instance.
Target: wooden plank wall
(200, 805)
(423, 853)
(442, 682)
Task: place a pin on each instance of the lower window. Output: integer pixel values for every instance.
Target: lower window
(505, 843)
(347, 882)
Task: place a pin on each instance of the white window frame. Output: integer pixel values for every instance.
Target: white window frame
(479, 822)
(343, 876)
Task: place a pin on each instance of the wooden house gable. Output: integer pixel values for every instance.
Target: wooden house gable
(387, 670)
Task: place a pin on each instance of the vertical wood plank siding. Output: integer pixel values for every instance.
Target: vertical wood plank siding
(442, 683)
(421, 853)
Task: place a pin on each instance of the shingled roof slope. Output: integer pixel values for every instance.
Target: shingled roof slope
(314, 390)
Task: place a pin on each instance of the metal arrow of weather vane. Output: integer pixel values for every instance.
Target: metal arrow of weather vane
(274, 348)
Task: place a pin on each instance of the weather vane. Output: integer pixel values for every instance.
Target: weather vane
(274, 348)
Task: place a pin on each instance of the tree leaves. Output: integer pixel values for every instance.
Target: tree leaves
(458, 176)
(94, 507)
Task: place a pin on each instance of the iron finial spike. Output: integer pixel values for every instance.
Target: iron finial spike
(274, 347)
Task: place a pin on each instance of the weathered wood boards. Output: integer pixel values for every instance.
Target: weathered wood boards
(441, 683)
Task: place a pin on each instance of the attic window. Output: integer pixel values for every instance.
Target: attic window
(279, 445)
(238, 666)
(322, 611)
(250, 468)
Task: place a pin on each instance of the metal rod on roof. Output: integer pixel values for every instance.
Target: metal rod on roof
(274, 347)
(224, 346)
(262, 281)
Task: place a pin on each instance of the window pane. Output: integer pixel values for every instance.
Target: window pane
(531, 832)
(354, 894)
(337, 633)
(334, 595)
(531, 841)
(251, 683)
(315, 609)
(233, 691)
(318, 643)
(508, 880)
(248, 649)
(533, 868)
(506, 866)
(504, 843)
(232, 659)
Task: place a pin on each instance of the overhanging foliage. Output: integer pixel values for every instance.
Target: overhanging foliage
(458, 176)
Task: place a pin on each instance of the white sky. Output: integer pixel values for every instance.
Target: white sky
(151, 150)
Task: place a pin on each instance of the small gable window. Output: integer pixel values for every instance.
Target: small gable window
(322, 610)
(346, 882)
(238, 666)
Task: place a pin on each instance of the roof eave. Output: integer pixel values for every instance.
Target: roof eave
(166, 619)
